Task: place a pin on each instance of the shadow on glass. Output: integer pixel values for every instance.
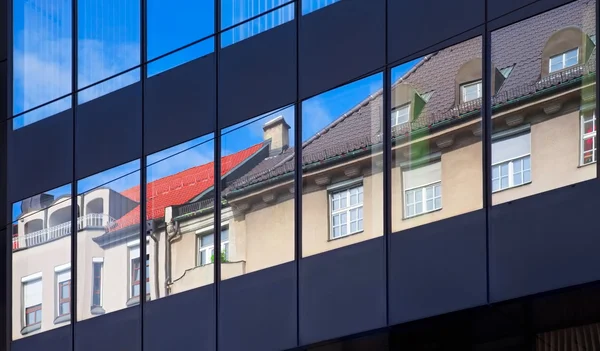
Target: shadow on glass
(342, 163)
(108, 241)
(437, 169)
(181, 57)
(544, 102)
(257, 189)
(309, 6)
(179, 215)
(41, 262)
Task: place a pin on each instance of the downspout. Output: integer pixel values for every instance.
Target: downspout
(156, 285)
(172, 227)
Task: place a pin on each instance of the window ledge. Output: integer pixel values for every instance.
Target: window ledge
(345, 236)
(31, 328)
(423, 214)
(133, 301)
(587, 164)
(512, 187)
(62, 319)
(97, 310)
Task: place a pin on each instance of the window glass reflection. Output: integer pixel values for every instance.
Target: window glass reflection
(342, 200)
(258, 25)
(257, 184)
(436, 136)
(544, 102)
(179, 212)
(172, 25)
(108, 241)
(236, 11)
(41, 262)
(108, 43)
(41, 56)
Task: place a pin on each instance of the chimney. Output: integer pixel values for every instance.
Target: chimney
(278, 131)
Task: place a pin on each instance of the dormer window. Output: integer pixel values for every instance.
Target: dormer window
(401, 115)
(564, 60)
(471, 91)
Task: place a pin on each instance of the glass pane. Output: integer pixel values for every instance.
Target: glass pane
(173, 24)
(41, 244)
(109, 225)
(534, 48)
(108, 43)
(441, 145)
(239, 10)
(180, 57)
(41, 56)
(179, 180)
(342, 147)
(257, 188)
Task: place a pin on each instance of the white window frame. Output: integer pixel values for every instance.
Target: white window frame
(396, 113)
(57, 271)
(563, 60)
(100, 261)
(585, 136)
(423, 199)
(511, 173)
(463, 90)
(31, 279)
(209, 249)
(346, 188)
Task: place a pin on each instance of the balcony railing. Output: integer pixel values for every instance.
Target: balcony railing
(92, 220)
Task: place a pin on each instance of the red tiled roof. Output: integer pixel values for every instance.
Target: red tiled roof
(178, 188)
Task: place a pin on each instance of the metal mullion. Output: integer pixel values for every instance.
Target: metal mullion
(486, 142)
(74, 191)
(144, 262)
(217, 175)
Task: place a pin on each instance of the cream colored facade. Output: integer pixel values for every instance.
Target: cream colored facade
(260, 223)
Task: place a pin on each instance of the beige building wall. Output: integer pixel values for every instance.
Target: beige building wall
(316, 218)
(39, 259)
(462, 186)
(555, 158)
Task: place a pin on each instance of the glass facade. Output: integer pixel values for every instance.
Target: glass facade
(182, 202)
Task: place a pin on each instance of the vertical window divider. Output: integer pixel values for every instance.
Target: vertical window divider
(486, 125)
(217, 174)
(596, 114)
(74, 197)
(143, 223)
(6, 253)
(387, 166)
(298, 174)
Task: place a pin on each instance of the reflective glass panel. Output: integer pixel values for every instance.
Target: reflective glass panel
(257, 184)
(342, 200)
(544, 102)
(108, 241)
(41, 262)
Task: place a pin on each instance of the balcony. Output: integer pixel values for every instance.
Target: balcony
(89, 221)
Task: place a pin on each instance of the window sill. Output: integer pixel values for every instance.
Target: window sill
(62, 319)
(512, 187)
(345, 236)
(97, 310)
(587, 164)
(136, 300)
(30, 328)
(422, 214)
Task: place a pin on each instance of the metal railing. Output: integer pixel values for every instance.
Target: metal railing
(92, 220)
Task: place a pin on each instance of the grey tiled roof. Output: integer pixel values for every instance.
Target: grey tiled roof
(519, 45)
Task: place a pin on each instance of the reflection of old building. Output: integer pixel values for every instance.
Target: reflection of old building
(544, 138)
